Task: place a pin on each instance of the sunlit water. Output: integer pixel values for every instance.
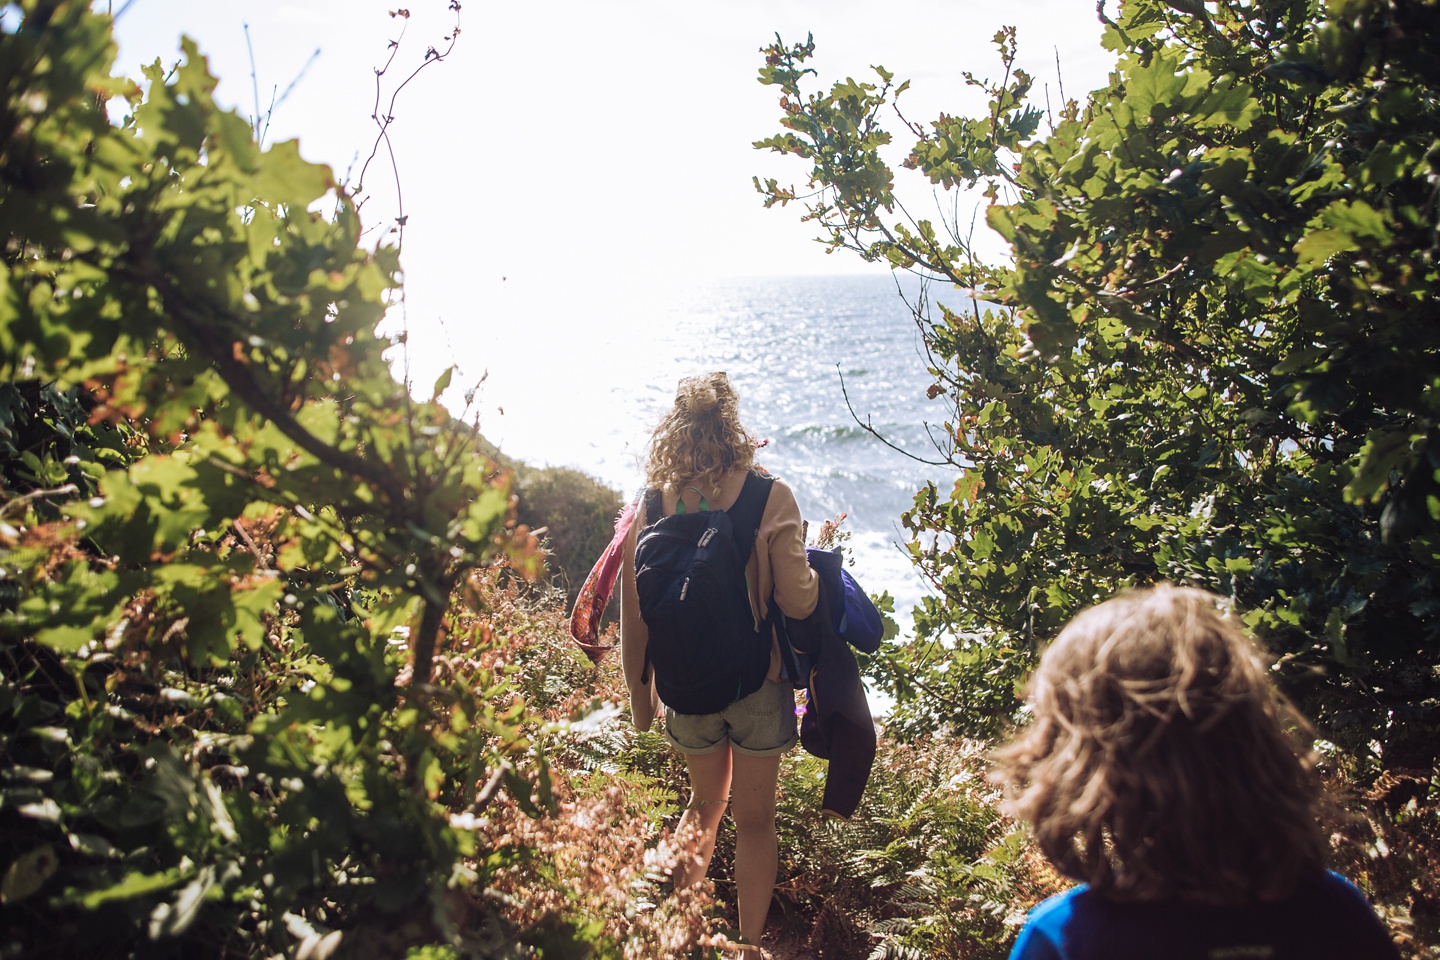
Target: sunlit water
(587, 373)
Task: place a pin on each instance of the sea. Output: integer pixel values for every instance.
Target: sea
(831, 373)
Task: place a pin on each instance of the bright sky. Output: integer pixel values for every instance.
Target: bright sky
(571, 153)
(584, 136)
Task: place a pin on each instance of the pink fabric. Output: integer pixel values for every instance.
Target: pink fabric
(595, 593)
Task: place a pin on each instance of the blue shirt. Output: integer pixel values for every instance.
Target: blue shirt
(1327, 918)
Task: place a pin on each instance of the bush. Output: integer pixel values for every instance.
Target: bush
(577, 513)
(1209, 356)
(927, 867)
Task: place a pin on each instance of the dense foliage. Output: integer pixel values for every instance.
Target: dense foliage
(276, 675)
(240, 708)
(572, 513)
(1211, 357)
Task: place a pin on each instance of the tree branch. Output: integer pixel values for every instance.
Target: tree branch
(203, 332)
(868, 428)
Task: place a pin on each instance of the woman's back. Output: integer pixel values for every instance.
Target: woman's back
(701, 450)
(777, 567)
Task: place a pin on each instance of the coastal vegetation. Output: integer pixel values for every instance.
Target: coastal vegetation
(283, 670)
(1211, 356)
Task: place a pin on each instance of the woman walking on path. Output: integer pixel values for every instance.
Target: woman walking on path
(699, 458)
(1164, 771)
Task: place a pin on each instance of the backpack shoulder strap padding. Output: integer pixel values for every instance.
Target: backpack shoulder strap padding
(654, 506)
(747, 511)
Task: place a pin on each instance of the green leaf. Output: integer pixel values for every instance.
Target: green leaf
(1319, 246)
(135, 884)
(1227, 103)
(321, 420)
(1358, 219)
(442, 383)
(173, 919)
(93, 845)
(28, 873)
(284, 177)
(1157, 83)
(1383, 452)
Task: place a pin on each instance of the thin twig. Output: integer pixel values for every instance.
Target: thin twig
(66, 490)
(492, 786)
(254, 84)
(431, 56)
(250, 544)
(1060, 79)
(870, 429)
(291, 87)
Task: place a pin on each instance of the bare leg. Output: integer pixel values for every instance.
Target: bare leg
(756, 846)
(709, 790)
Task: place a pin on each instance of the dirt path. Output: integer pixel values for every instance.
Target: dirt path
(787, 945)
(790, 948)
(793, 950)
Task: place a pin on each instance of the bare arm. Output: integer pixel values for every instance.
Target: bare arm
(634, 636)
(796, 585)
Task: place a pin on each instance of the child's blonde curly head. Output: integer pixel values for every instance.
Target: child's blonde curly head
(1161, 762)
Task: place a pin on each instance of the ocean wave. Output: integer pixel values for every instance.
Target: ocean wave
(827, 431)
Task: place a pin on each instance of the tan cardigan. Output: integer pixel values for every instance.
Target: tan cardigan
(777, 564)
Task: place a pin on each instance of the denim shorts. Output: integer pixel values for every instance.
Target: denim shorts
(760, 725)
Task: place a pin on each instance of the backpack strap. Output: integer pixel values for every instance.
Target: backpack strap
(747, 510)
(745, 513)
(654, 506)
(654, 510)
(681, 509)
(790, 663)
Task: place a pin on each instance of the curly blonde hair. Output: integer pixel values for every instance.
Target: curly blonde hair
(1161, 762)
(701, 439)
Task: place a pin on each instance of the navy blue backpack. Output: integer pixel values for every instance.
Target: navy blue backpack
(705, 647)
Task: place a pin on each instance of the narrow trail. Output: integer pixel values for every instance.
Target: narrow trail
(789, 947)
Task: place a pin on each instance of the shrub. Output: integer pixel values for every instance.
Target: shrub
(577, 513)
(927, 867)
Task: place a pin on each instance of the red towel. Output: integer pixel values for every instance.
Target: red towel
(595, 593)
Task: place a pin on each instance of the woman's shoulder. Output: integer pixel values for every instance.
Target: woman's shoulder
(756, 470)
(781, 497)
